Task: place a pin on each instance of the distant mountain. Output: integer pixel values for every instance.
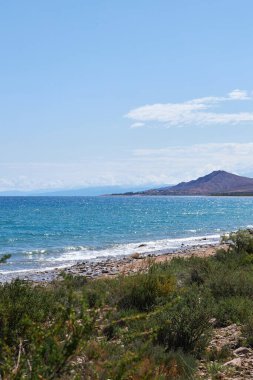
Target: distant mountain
(91, 191)
(88, 191)
(216, 183)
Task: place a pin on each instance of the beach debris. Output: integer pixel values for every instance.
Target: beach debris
(136, 255)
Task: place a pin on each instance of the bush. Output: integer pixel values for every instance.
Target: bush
(139, 362)
(20, 303)
(186, 325)
(199, 269)
(38, 330)
(232, 310)
(180, 366)
(247, 331)
(149, 326)
(231, 283)
(160, 365)
(240, 241)
(143, 291)
(218, 354)
(92, 298)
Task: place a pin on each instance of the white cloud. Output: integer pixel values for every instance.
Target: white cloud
(188, 162)
(236, 149)
(137, 125)
(239, 95)
(193, 112)
(142, 166)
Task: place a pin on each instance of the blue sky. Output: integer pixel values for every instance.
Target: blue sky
(124, 93)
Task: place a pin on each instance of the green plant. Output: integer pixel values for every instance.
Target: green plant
(149, 326)
(38, 331)
(177, 365)
(232, 310)
(231, 282)
(186, 325)
(214, 369)
(240, 241)
(93, 298)
(143, 291)
(215, 354)
(247, 331)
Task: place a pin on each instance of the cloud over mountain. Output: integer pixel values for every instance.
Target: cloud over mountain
(200, 111)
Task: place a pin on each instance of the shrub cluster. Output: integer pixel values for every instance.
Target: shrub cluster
(152, 325)
(144, 291)
(40, 328)
(185, 325)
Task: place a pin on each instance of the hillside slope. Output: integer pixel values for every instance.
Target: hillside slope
(217, 182)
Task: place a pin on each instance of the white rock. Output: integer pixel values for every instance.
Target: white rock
(241, 350)
(234, 363)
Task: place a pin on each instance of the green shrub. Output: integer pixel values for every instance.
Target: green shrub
(73, 282)
(149, 326)
(179, 365)
(199, 269)
(186, 325)
(160, 366)
(232, 310)
(20, 303)
(92, 298)
(240, 241)
(39, 331)
(247, 331)
(196, 277)
(143, 291)
(215, 354)
(231, 283)
(193, 270)
(140, 362)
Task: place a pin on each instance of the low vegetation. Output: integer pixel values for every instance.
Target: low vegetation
(154, 325)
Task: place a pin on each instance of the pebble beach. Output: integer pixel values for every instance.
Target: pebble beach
(113, 266)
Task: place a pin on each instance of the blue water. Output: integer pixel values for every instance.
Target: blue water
(47, 232)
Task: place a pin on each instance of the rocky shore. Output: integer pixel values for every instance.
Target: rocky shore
(112, 266)
(136, 262)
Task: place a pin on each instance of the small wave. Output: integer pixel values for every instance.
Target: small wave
(75, 248)
(36, 252)
(54, 251)
(47, 260)
(141, 247)
(33, 270)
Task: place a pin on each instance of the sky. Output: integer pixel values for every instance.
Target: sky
(137, 92)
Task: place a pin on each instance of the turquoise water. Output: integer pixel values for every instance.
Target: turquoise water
(47, 232)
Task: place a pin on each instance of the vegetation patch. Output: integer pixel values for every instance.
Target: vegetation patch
(153, 325)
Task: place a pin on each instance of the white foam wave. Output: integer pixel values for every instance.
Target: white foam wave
(71, 255)
(34, 270)
(141, 247)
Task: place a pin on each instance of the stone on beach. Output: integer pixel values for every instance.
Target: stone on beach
(237, 362)
(136, 255)
(241, 351)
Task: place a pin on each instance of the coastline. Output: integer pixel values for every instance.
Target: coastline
(137, 262)
(116, 265)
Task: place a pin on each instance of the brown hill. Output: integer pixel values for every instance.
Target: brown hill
(216, 183)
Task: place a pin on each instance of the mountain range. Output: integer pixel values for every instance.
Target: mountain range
(78, 192)
(218, 182)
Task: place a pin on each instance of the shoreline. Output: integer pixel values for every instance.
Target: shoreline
(115, 265)
(138, 262)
